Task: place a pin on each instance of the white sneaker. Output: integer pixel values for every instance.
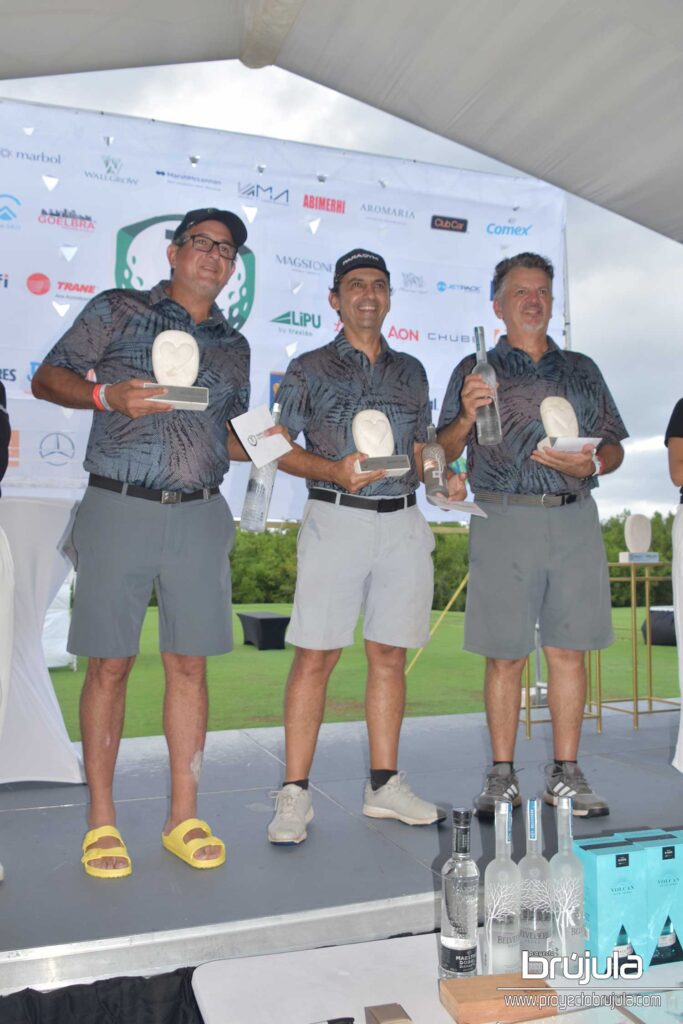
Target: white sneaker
(396, 800)
(293, 812)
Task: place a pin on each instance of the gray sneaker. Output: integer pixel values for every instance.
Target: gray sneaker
(396, 800)
(293, 812)
(501, 784)
(569, 780)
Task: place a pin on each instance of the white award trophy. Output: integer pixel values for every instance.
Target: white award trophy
(638, 534)
(372, 434)
(175, 360)
(562, 427)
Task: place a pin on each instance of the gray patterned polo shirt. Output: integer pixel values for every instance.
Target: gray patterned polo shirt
(522, 386)
(179, 450)
(324, 389)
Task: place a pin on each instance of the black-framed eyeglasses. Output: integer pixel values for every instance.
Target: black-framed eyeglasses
(202, 243)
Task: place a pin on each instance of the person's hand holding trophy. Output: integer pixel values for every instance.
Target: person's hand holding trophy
(372, 435)
(175, 360)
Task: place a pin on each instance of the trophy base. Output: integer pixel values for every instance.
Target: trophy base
(393, 465)
(181, 398)
(638, 557)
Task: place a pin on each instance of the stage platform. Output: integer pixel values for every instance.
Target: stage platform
(354, 879)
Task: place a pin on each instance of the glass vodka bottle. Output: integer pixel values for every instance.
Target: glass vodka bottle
(434, 466)
(536, 909)
(459, 904)
(502, 899)
(489, 431)
(566, 877)
(259, 491)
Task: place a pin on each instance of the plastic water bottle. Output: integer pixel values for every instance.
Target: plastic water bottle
(488, 416)
(434, 466)
(259, 491)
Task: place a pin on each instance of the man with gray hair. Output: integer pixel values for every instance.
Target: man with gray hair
(539, 556)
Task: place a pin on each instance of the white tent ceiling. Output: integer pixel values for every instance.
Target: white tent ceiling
(586, 94)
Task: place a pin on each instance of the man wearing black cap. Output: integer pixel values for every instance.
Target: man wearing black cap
(152, 516)
(363, 545)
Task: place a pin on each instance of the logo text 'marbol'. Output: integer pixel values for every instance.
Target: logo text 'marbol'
(508, 229)
(442, 223)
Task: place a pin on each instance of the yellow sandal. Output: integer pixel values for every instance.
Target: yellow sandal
(175, 843)
(98, 852)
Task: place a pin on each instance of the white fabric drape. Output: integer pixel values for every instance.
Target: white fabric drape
(677, 577)
(34, 745)
(6, 621)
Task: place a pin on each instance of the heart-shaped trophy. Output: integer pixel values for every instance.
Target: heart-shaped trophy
(175, 360)
(372, 434)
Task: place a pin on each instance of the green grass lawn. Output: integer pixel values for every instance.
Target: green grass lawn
(246, 687)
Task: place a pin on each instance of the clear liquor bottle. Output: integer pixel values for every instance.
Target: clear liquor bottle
(502, 899)
(668, 947)
(259, 492)
(459, 904)
(623, 948)
(566, 877)
(434, 466)
(536, 924)
(489, 431)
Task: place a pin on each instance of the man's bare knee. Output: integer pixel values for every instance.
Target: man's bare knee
(385, 655)
(307, 661)
(504, 668)
(108, 673)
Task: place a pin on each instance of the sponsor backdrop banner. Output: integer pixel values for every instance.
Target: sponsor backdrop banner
(89, 201)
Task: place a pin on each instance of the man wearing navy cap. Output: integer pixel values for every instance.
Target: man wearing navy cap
(152, 516)
(363, 545)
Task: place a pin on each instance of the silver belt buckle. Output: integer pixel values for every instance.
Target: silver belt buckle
(171, 497)
(543, 497)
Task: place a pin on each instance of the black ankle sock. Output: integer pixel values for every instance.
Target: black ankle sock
(560, 762)
(512, 767)
(380, 776)
(301, 783)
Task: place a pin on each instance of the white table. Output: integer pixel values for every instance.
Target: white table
(318, 984)
(34, 744)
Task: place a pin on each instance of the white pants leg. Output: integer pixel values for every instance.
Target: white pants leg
(677, 576)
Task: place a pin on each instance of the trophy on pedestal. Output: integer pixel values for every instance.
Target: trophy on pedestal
(638, 535)
(175, 360)
(372, 434)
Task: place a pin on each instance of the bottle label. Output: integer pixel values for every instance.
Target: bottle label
(666, 939)
(458, 961)
(462, 840)
(533, 834)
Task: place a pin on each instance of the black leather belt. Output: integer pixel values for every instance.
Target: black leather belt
(369, 504)
(546, 500)
(165, 497)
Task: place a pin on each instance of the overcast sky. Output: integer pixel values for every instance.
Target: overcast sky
(625, 295)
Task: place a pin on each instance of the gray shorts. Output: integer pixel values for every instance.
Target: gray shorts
(125, 546)
(531, 564)
(349, 561)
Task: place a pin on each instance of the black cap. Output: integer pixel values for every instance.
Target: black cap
(356, 259)
(461, 816)
(231, 220)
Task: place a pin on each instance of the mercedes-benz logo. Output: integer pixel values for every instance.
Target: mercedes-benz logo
(57, 449)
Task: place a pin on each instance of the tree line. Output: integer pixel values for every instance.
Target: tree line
(264, 565)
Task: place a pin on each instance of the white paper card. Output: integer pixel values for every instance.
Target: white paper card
(573, 444)
(250, 426)
(469, 507)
